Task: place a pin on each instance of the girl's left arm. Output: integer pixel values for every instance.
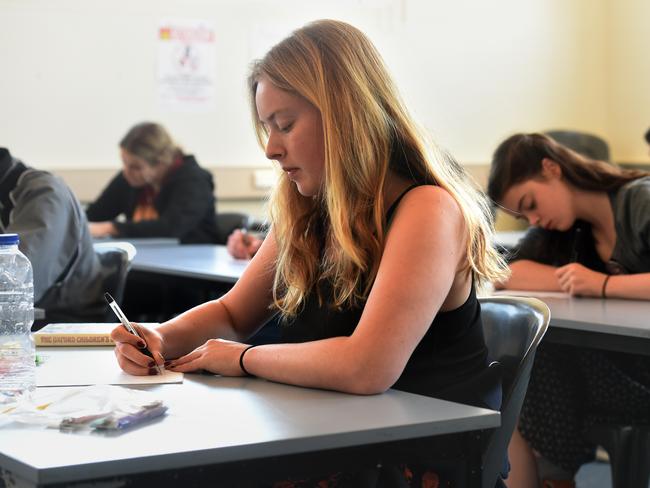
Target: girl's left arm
(576, 279)
(634, 286)
(418, 274)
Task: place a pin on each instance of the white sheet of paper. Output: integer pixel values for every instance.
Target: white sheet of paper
(531, 293)
(90, 366)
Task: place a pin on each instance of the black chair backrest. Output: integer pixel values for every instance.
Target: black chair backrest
(589, 145)
(513, 328)
(228, 222)
(115, 258)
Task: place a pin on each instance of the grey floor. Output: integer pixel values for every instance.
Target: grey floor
(594, 475)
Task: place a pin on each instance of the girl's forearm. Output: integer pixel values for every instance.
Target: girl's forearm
(530, 275)
(632, 286)
(194, 327)
(333, 364)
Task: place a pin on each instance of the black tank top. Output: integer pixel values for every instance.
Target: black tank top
(447, 362)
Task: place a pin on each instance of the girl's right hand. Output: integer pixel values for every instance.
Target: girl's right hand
(128, 350)
(242, 245)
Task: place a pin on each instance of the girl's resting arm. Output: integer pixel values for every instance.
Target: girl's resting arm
(531, 275)
(634, 286)
(424, 250)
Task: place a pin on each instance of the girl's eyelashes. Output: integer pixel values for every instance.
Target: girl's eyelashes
(529, 205)
(285, 128)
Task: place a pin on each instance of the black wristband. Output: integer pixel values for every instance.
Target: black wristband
(603, 291)
(241, 359)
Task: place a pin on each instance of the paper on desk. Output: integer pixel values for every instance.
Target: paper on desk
(91, 367)
(531, 293)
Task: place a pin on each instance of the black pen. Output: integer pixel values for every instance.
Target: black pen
(576, 244)
(127, 325)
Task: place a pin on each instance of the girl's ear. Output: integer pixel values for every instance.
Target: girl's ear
(551, 169)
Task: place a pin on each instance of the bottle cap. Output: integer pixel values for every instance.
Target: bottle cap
(9, 239)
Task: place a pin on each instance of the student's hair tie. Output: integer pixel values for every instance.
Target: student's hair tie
(603, 291)
(241, 359)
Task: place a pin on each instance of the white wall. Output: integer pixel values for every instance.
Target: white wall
(629, 72)
(77, 74)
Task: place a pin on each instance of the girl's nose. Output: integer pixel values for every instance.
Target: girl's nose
(274, 150)
(533, 219)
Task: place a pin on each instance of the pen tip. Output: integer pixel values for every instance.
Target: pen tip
(108, 297)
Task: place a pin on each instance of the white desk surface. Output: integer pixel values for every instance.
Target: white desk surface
(202, 261)
(141, 241)
(610, 316)
(629, 318)
(213, 420)
(508, 239)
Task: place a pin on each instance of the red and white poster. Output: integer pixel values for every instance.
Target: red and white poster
(186, 65)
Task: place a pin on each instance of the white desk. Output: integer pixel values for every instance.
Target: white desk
(199, 261)
(216, 421)
(611, 324)
(508, 239)
(141, 241)
(39, 313)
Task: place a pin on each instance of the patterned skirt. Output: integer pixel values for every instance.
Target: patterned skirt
(571, 389)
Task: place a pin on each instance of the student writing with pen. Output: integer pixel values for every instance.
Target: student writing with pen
(590, 237)
(563, 195)
(376, 246)
(242, 244)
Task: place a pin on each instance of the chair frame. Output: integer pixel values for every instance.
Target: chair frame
(587, 144)
(127, 249)
(514, 389)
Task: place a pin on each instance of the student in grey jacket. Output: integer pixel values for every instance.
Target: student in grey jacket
(43, 211)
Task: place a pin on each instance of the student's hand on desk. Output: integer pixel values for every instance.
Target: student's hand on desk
(242, 245)
(576, 279)
(128, 350)
(102, 229)
(217, 356)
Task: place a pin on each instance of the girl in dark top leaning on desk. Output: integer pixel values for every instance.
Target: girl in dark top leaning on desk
(161, 191)
(374, 250)
(590, 237)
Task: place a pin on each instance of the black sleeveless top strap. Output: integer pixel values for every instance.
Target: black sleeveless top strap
(451, 354)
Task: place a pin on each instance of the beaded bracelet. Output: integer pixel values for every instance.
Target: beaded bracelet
(603, 291)
(241, 359)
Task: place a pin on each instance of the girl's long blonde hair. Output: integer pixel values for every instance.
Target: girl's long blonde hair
(339, 235)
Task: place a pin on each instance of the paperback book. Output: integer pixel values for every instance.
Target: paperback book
(71, 334)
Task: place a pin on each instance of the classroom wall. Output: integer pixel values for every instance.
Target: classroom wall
(76, 75)
(629, 75)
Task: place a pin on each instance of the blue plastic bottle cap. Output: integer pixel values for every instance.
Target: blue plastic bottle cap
(9, 239)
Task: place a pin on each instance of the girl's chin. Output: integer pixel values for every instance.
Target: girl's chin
(305, 191)
(563, 227)
(136, 184)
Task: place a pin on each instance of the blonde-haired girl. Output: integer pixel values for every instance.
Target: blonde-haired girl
(375, 247)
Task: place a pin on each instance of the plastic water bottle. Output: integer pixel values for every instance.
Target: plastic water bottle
(17, 352)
